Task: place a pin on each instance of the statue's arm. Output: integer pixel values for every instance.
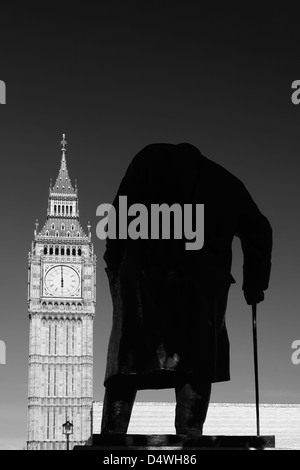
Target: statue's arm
(255, 233)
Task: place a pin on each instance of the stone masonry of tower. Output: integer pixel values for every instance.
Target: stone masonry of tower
(61, 307)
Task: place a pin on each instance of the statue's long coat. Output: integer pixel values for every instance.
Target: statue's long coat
(169, 303)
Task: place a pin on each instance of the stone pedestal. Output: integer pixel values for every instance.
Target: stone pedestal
(176, 442)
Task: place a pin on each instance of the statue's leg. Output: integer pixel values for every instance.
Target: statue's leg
(117, 407)
(192, 402)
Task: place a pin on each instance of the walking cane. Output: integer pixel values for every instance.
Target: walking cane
(255, 366)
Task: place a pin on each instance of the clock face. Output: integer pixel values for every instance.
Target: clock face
(62, 281)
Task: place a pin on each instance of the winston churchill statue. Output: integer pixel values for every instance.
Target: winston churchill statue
(169, 302)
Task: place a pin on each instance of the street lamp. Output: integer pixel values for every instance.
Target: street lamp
(67, 430)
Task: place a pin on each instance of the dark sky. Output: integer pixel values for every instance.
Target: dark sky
(116, 76)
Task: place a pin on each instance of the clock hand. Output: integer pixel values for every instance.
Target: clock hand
(62, 278)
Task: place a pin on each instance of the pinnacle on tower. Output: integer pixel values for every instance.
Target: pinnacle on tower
(64, 143)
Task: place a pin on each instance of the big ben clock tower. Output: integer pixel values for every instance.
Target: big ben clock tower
(61, 306)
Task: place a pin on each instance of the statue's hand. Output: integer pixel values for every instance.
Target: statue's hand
(253, 296)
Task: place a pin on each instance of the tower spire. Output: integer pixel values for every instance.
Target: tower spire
(64, 143)
(63, 183)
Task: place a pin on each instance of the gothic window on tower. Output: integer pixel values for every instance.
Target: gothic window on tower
(54, 209)
(55, 339)
(52, 227)
(63, 227)
(45, 250)
(62, 251)
(78, 234)
(54, 391)
(67, 338)
(53, 423)
(56, 250)
(79, 252)
(72, 379)
(73, 252)
(68, 234)
(49, 340)
(49, 380)
(73, 336)
(57, 233)
(68, 249)
(47, 233)
(48, 424)
(51, 250)
(67, 212)
(72, 226)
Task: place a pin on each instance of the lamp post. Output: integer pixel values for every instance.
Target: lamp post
(67, 430)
